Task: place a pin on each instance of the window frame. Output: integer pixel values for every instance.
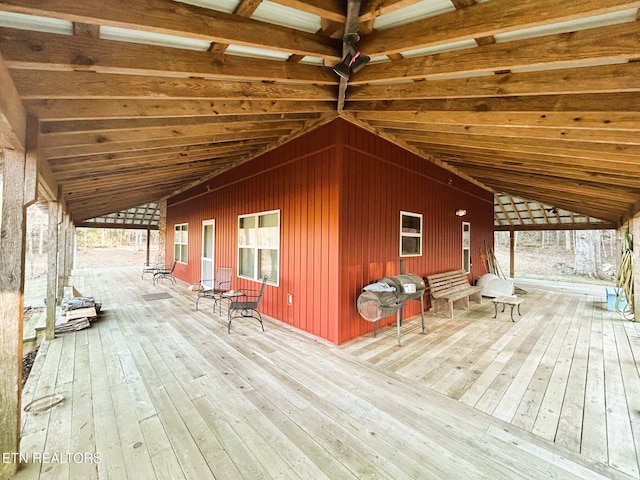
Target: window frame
(183, 230)
(407, 235)
(256, 247)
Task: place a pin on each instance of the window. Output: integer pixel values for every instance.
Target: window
(181, 243)
(259, 246)
(410, 234)
(466, 246)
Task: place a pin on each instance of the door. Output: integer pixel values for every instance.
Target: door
(208, 244)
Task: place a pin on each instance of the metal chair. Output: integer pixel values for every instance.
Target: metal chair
(164, 271)
(153, 267)
(220, 284)
(247, 305)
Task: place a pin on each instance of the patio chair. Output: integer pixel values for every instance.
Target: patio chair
(153, 267)
(247, 305)
(220, 284)
(164, 271)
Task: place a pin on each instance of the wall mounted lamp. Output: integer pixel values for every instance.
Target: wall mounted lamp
(461, 212)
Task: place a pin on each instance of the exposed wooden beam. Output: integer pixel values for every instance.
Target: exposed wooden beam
(333, 10)
(244, 9)
(374, 8)
(46, 51)
(619, 78)
(13, 116)
(504, 164)
(579, 103)
(81, 187)
(56, 127)
(557, 226)
(78, 139)
(49, 110)
(603, 121)
(590, 155)
(181, 19)
(137, 144)
(70, 166)
(483, 20)
(86, 30)
(94, 170)
(560, 193)
(611, 44)
(33, 85)
(396, 127)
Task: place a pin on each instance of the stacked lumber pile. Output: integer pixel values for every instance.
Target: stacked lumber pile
(79, 313)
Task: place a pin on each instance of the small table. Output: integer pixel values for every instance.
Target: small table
(512, 301)
(232, 295)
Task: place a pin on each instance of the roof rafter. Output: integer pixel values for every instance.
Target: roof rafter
(176, 18)
(483, 20)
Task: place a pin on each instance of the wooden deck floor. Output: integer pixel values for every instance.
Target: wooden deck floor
(155, 389)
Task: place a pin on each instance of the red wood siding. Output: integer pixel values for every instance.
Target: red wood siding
(339, 190)
(379, 180)
(299, 179)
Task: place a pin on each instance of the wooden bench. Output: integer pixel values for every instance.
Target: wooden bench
(449, 288)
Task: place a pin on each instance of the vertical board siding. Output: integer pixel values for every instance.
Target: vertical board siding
(381, 179)
(297, 180)
(339, 190)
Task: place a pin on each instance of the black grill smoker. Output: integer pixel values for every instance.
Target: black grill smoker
(387, 296)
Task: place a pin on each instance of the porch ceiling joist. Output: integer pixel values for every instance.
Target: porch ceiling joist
(517, 89)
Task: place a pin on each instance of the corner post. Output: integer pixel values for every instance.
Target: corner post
(12, 268)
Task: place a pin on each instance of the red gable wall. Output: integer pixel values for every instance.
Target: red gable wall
(339, 190)
(379, 180)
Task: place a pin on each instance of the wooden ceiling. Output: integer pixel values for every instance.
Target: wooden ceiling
(134, 100)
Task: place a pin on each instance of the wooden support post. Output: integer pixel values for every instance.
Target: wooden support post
(55, 216)
(512, 253)
(31, 165)
(162, 230)
(12, 253)
(634, 229)
(148, 246)
(62, 251)
(71, 249)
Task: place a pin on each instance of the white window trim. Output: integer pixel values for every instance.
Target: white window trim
(411, 234)
(175, 242)
(256, 269)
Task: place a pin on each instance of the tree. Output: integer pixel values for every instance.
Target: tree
(587, 254)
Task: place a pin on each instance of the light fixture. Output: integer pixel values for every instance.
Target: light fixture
(461, 212)
(354, 60)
